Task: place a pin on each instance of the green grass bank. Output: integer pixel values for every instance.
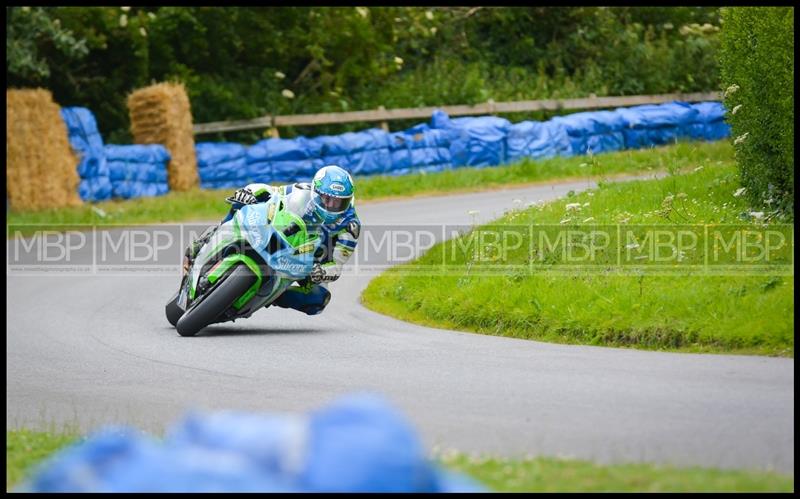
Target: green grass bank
(677, 310)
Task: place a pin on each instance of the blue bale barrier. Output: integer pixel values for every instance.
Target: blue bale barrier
(283, 160)
(87, 143)
(595, 131)
(420, 149)
(130, 189)
(709, 124)
(537, 140)
(359, 443)
(213, 153)
(82, 129)
(222, 165)
(654, 125)
(138, 170)
(475, 141)
(97, 188)
(361, 153)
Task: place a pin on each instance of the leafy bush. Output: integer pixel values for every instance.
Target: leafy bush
(757, 65)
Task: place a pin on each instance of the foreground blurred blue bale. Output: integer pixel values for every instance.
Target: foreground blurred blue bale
(359, 443)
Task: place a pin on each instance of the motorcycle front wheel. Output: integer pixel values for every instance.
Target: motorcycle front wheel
(222, 297)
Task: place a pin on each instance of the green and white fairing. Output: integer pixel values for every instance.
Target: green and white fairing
(268, 238)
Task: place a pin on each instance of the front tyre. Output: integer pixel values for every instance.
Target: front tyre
(173, 311)
(222, 297)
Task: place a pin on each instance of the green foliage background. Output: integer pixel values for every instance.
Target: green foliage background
(238, 62)
(757, 65)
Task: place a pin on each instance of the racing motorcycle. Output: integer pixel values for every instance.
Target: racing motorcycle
(244, 266)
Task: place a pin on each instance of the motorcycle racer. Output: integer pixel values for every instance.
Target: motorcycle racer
(326, 205)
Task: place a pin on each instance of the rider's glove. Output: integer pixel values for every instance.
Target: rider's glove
(318, 274)
(244, 196)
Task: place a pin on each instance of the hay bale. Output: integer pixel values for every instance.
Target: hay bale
(161, 114)
(41, 168)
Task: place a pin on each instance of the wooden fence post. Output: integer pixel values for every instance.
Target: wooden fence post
(384, 124)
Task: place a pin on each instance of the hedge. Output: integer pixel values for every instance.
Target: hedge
(757, 68)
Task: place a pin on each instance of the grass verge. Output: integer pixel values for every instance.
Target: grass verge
(201, 204)
(25, 449)
(679, 311)
(560, 475)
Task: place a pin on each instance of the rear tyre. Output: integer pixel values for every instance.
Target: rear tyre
(238, 281)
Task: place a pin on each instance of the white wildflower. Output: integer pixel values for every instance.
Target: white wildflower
(100, 212)
(573, 206)
(738, 193)
(590, 193)
(125, 9)
(123, 20)
(362, 11)
(151, 15)
(697, 169)
(590, 219)
(433, 30)
(730, 90)
(758, 215)
(735, 109)
(585, 204)
(398, 60)
(26, 9)
(279, 75)
(741, 138)
(429, 15)
(287, 93)
(668, 26)
(566, 220)
(143, 32)
(632, 246)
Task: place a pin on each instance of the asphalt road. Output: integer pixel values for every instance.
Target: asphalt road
(87, 350)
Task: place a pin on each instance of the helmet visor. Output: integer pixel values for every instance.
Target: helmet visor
(333, 204)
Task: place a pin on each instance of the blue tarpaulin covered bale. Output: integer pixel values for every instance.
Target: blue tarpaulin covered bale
(535, 139)
(95, 188)
(213, 153)
(476, 141)
(138, 170)
(358, 443)
(222, 165)
(709, 124)
(595, 131)
(656, 124)
(283, 160)
(420, 149)
(87, 143)
(361, 153)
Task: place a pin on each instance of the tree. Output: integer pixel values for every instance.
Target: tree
(30, 31)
